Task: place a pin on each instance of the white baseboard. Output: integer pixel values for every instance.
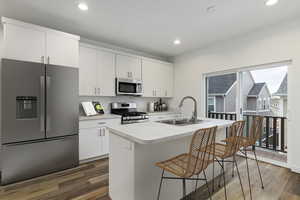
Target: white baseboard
(267, 160)
(93, 159)
(295, 169)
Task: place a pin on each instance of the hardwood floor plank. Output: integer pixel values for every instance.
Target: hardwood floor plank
(89, 181)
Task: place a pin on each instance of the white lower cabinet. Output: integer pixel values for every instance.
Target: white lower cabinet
(93, 142)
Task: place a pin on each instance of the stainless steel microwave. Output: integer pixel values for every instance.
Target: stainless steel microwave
(129, 87)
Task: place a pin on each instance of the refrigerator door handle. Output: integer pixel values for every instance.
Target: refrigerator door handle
(42, 103)
(48, 119)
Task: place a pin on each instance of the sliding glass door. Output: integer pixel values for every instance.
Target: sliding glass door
(244, 94)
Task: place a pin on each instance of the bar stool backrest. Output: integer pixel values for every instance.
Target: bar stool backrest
(236, 133)
(256, 129)
(199, 156)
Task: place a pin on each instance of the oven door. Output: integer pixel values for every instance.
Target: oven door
(129, 87)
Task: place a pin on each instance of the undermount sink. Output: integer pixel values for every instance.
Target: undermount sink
(181, 122)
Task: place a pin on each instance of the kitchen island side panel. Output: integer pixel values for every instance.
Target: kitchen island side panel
(121, 168)
(134, 176)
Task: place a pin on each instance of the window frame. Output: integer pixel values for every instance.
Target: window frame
(214, 102)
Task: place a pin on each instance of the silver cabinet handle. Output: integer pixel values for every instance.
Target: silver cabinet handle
(100, 132)
(43, 59)
(48, 60)
(166, 93)
(48, 119)
(42, 113)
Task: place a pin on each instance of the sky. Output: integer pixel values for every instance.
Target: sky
(273, 77)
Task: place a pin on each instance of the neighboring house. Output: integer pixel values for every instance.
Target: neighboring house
(279, 99)
(222, 94)
(259, 98)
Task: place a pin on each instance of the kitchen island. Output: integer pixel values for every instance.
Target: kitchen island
(134, 150)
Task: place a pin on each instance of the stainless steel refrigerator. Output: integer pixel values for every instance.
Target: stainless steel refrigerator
(39, 119)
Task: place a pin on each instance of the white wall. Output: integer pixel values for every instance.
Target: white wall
(272, 44)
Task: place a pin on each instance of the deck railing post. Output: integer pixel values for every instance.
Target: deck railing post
(267, 131)
(282, 145)
(275, 134)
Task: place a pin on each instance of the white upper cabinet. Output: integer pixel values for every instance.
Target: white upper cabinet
(157, 78)
(106, 73)
(22, 43)
(28, 42)
(96, 72)
(129, 67)
(87, 71)
(61, 49)
(167, 70)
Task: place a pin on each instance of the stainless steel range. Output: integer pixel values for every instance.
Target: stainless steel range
(129, 113)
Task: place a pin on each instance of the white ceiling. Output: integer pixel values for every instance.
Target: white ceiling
(152, 25)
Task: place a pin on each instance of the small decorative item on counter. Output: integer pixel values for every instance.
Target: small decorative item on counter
(98, 107)
(151, 107)
(160, 106)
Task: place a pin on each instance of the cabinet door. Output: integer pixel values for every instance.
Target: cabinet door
(24, 44)
(128, 67)
(90, 142)
(87, 71)
(62, 50)
(105, 73)
(105, 141)
(149, 78)
(167, 80)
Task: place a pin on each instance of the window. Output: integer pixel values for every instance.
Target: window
(211, 104)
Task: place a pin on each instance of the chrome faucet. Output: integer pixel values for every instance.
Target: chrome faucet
(194, 117)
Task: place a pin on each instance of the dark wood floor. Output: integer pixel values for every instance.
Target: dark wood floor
(90, 182)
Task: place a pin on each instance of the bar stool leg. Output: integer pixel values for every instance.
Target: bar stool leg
(161, 180)
(246, 156)
(207, 184)
(262, 184)
(238, 172)
(213, 177)
(183, 187)
(224, 178)
(232, 167)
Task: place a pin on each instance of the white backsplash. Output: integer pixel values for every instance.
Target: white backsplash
(106, 101)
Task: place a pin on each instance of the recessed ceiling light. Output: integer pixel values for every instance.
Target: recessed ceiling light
(83, 6)
(177, 42)
(271, 2)
(211, 9)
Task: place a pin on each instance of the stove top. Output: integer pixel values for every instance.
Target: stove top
(129, 113)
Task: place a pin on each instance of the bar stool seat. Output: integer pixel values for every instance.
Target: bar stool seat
(178, 165)
(187, 165)
(244, 141)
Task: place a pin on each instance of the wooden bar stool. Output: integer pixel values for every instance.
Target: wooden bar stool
(228, 150)
(194, 162)
(247, 143)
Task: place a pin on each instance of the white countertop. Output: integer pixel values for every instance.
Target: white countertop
(112, 116)
(155, 132)
(99, 117)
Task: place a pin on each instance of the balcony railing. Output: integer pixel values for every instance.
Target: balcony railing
(273, 135)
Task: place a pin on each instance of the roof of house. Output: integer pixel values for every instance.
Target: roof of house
(282, 90)
(256, 89)
(221, 84)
